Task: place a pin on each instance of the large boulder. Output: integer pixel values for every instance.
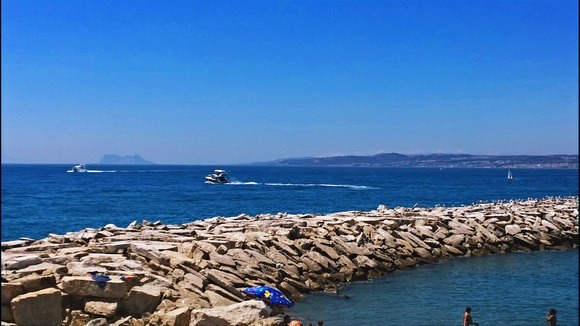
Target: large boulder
(35, 282)
(20, 262)
(77, 318)
(10, 291)
(241, 314)
(38, 308)
(142, 299)
(454, 240)
(177, 317)
(101, 308)
(87, 287)
(425, 231)
(201, 318)
(219, 297)
(512, 229)
(7, 315)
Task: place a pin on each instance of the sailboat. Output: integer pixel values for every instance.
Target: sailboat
(510, 175)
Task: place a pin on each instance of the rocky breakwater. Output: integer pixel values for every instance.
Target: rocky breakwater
(193, 274)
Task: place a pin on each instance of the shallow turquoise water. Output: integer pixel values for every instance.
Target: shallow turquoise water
(510, 289)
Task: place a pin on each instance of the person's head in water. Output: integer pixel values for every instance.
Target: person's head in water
(552, 312)
(468, 309)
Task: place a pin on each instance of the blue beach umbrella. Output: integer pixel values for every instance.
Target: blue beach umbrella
(269, 295)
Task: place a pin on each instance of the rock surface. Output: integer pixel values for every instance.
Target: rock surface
(193, 274)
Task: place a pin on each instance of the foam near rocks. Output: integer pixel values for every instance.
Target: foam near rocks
(189, 274)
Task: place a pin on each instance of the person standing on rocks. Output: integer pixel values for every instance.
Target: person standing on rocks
(467, 319)
(551, 317)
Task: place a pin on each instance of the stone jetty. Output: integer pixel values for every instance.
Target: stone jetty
(193, 274)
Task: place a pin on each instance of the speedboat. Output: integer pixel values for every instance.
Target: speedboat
(218, 176)
(79, 168)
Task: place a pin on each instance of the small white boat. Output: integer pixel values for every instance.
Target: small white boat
(510, 175)
(217, 177)
(79, 168)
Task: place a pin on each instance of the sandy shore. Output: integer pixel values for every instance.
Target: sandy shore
(193, 274)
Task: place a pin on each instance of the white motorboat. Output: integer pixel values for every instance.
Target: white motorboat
(79, 168)
(510, 175)
(218, 176)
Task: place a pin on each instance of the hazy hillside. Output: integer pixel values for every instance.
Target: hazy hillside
(438, 161)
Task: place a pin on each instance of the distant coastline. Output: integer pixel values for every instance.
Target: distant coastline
(437, 161)
(392, 160)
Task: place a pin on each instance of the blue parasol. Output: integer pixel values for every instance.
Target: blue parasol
(269, 295)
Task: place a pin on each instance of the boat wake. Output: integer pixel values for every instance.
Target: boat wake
(320, 185)
(239, 183)
(301, 185)
(128, 171)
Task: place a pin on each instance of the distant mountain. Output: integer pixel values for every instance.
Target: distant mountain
(438, 161)
(116, 159)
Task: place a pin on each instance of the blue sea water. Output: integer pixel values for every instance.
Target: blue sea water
(512, 289)
(42, 199)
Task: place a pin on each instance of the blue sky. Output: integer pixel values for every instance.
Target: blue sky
(223, 82)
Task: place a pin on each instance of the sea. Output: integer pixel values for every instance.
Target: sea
(510, 289)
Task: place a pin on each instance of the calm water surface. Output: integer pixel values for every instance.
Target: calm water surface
(511, 289)
(42, 199)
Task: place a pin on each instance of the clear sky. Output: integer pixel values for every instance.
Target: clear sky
(224, 82)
